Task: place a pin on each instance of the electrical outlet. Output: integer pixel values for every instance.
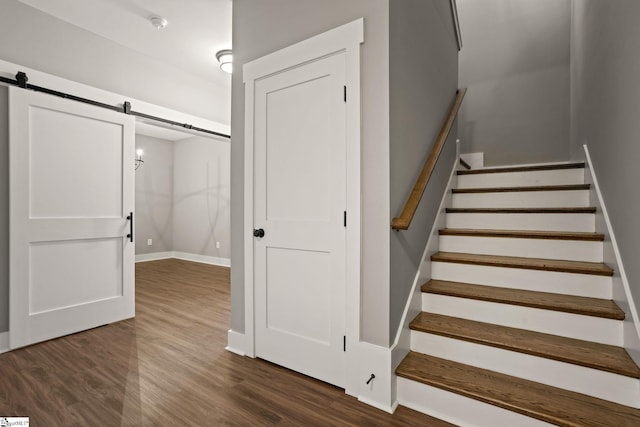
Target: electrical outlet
(217, 245)
(149, 242)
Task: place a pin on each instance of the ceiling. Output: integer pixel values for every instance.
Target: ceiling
(197, 29)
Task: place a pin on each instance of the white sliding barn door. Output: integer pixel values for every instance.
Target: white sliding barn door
(299, 202)
(71, 191)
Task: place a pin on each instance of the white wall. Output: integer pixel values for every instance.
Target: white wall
(34, 39)
(605, 68)
(515, 63)
(154, 196)
(201, 197)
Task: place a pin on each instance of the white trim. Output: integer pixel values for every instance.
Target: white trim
(155, 256)
(4, 342)
(345, 38)
(402, 342)
(235, 342)
(203, 259)
(381, 391)
(632, 327)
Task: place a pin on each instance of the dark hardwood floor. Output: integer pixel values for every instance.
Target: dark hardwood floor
(168, 366)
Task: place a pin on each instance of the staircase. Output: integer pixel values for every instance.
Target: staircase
(517, 325)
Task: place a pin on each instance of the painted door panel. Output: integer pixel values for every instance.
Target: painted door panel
(299, 201)
(71, 191)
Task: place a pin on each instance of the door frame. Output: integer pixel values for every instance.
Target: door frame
(346, 38)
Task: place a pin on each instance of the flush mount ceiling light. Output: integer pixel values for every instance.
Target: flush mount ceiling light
(225, 58)
(158, 22)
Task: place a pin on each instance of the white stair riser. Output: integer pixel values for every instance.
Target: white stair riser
(522, 199)
(572, 250)
(587, 328)
(593, 382)
(457, 409)
(522, 221)
(535, 280)
(522, 179)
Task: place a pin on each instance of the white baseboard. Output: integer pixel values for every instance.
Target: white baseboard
(236, 342)
(381, 390)
(621, 290)
(4, 342)
(155, 256)
(203, 259)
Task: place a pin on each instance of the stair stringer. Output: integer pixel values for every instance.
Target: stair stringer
(620, 285)
(402, 343)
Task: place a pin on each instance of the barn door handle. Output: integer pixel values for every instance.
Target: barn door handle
(130, 219)
(258, 233)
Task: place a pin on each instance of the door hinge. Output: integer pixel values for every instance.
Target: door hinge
(344, 343)
(345, 94)
(344, 218)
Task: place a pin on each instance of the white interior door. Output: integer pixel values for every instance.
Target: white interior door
(299, 202)
(71, 191)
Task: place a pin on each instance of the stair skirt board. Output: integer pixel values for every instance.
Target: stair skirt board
(592, 382)
(534, 280)
(588, 328)
(622, 291)
(522, 179)
(571, 250)
(574, 222)
(443, 404)
(535, 199)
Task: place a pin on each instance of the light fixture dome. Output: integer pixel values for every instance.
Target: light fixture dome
(158, 22)
(225, 58)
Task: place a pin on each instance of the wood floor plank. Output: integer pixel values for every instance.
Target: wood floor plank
(580, 267)
(575, 210)
(524, 234)
(569, 187)
(544, 300)
(168, 366)
(559, 166)
(546, 403)
(584, 353)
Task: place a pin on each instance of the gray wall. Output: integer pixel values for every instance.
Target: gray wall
(4, 209)
(423, 80)
(605, 66)
(261, 27)
(515, 63)
(201, 205)
(154, 196)
(34, 39)
(182, 196)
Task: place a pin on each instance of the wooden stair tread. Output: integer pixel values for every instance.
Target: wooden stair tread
(521, 189)
(580, 267)
(548, 235)
(574, 210)
(546, 403)
(570, 350)
(544, 300)
(559, 166)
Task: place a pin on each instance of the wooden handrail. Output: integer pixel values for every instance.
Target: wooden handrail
(404, 220)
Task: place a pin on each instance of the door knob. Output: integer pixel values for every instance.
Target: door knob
(258, 232)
